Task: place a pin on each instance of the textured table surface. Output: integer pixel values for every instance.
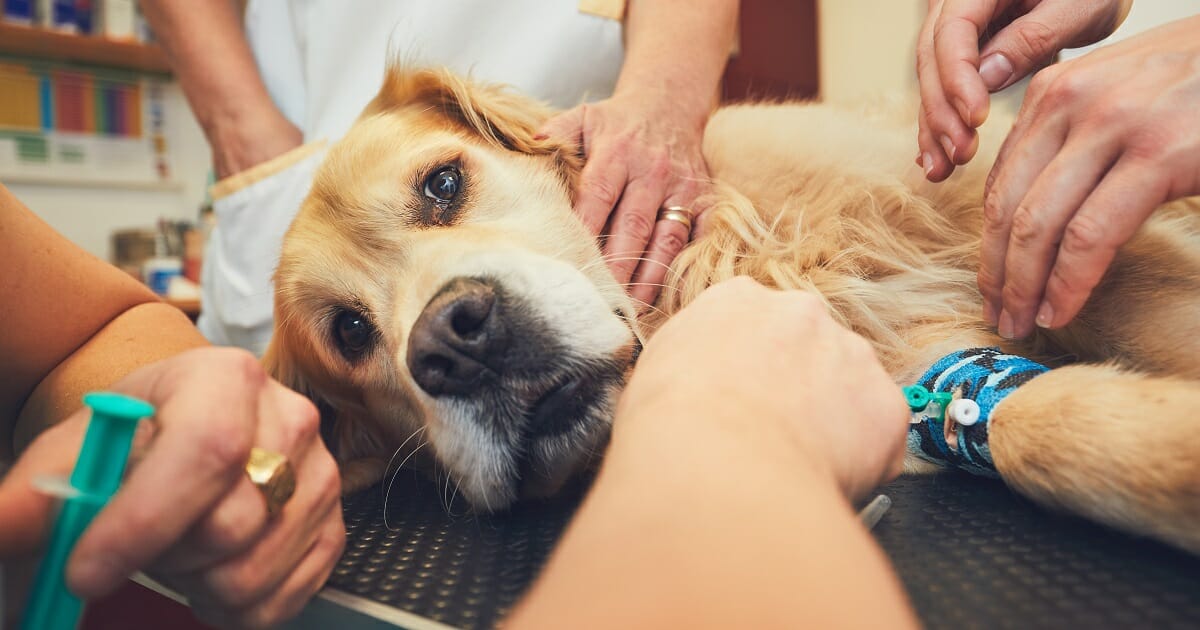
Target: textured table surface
(969, 551)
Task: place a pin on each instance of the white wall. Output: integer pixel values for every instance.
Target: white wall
(1144, 15)
(868, 47)
(89, 215)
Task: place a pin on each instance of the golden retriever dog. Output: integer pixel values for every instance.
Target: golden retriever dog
(441, 302)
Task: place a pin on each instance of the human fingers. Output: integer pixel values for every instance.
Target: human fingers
(601, 184)
(566, 127)
(255, 574)
(28, 512)
(289, 598)
(668, 239)
(1039, 222)
(232, 526)
(949, 121)
(632, 223)
(289, 425)
(240, 581)
(881, 412)
(1034, 140)
(932, 157)
(207, 410)
(1032, 40)
(1127, 195)
(956, 35)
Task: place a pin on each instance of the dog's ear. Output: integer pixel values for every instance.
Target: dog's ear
(345, 438)
(281, 366)
(493, 112)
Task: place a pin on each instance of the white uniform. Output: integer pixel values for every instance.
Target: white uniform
(323, 60)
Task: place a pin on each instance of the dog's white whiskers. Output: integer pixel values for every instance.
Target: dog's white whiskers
(442, 494)
(650, 307)
(558, 255)
(614, 258)
(649, 284)
(487, 504)
(640, 259)
(453, 495)
(399, 448)
(391, 483)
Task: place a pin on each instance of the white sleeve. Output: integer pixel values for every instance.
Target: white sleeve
(237, 291)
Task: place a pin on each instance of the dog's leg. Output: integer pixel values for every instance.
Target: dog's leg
(924, 346)
(1111, 445)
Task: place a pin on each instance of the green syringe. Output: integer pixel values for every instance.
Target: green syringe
(94, 480)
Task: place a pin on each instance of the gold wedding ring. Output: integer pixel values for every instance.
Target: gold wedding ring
(272, 474)
(678, 214)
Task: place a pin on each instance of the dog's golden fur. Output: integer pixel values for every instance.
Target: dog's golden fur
(806, 197)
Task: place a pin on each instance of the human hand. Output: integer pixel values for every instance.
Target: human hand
(643, 154)
(968, 48)
(187, 514)
(251, 139)
(1101, 141)
(774, 367)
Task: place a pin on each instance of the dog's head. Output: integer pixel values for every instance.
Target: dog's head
(437, 295)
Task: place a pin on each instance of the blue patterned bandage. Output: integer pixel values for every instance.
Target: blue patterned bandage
(982, 375)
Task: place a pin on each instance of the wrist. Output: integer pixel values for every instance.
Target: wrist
(687, 97)
(729, 431)
(242, 138)
(676, 52)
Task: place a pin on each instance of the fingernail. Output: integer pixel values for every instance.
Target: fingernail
(989, 313)
(949, 147)
(919, 160)
(1045, 315)
(1006, 325)
(963, 111)
(996, 71)
(927, 163)
(86, 576)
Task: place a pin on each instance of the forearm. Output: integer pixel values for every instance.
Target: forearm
(210, 56)
(207, 49)
(678, 48)
(139, 336)
(54, 297)
(721, 532)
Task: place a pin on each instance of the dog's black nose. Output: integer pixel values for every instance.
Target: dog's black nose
(457, 338)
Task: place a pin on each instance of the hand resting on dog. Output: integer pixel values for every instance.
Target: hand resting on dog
(725, 488)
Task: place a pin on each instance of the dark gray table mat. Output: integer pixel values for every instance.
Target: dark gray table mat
(970, 553)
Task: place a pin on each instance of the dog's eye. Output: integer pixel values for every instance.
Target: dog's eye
(354, 333)
(443, 185)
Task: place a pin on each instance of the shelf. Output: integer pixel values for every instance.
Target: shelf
(88, 181)
(24, 41)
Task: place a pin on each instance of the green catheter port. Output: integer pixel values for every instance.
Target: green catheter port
(919, 399)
